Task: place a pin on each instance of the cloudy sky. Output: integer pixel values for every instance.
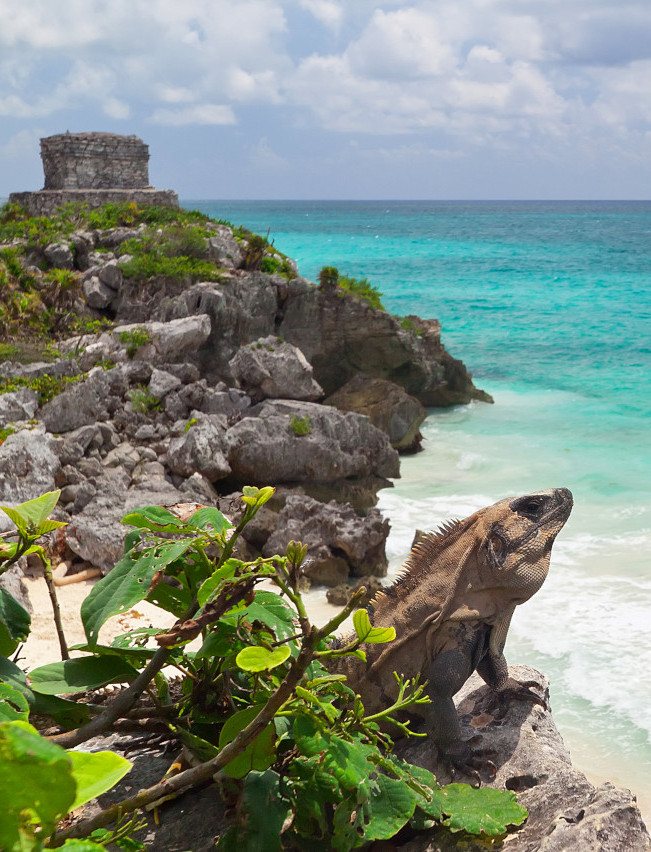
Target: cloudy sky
(340, 98)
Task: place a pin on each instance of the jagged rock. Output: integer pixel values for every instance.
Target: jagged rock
(269, 368)
(12, 582)
(60, 255)
(336, 445)
(169, 340)
(28, 465)
(62, 367)
(224, 249)
(18, 405)
(96, 534)
(162, 383)
(111, 275)
(340, 595)
(201, 449)
(566, 811)
(97, 293)
(230, 402)
(85, 402)
(387, 405)
(340, 542)
(124, 455)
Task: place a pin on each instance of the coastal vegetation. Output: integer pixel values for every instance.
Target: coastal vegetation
(255, 705)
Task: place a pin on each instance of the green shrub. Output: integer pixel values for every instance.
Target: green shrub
(293, 745)
(46, 386)
(142, 401)
(361, 288)
(300, 425)
(133, 339)
(328, 277)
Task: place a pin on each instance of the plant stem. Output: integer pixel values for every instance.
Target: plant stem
(56, 612)
(205, 771)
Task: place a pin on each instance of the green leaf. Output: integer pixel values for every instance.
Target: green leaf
(226, 572)
(270, 609)
(69, 714)
(210, 517)
(126, 584)
(32, 512)
(170, 598)
(259, 754)
(263, 815)
(14, 623)
(82, 846)
(258, 659)
(36, 785)
(95, 773)
(367, 633)
(390, 808)
(48, 526)
(154, 518)
(81, 674)
(346, 761)
(478, 810)
(253, 496)
(13, 704)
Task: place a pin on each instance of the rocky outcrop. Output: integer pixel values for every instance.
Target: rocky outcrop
(566, 811)
(387, 406)
(28, 465)
(340, 541)
(269, 368)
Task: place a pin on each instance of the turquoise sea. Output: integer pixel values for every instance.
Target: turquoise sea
(549, 305)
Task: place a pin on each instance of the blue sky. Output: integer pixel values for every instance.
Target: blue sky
(340, 98)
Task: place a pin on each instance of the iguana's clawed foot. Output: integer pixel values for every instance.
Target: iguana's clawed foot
(520, 691)
(463, 758)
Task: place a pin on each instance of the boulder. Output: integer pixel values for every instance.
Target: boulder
(566, 811)
(162, 382)
(60, 255)
(200, 448)
(304, 442)
(269, 368)
(85, 402)
(18, 405)
(28, 465)
(388, 407)
(340, 541)
(97, 294)
(224, 249)
(95, 533)
(170, 341)
(110, 274)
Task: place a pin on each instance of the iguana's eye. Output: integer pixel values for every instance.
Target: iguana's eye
(530, 507)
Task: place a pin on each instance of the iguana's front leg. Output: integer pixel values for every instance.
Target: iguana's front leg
(446, 674)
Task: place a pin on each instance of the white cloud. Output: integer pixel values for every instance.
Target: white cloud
(328, 12)
(115, 108)
(196, 114)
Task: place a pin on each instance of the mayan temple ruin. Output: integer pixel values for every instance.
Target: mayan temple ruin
(93, 168)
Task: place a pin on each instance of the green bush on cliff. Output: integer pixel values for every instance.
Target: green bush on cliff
(361, 288)
(175, 251)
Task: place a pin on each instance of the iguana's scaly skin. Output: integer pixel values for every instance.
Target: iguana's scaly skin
(452, 606)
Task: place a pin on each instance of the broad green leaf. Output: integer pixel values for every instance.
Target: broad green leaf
(154, 518)
(13, 704)
(126, 584)
(478, 810)
(170, 598)
(258, 659)
(390, 808)
(82, 846)
(14, 623)
(259, 754)
(226, 572)
(17, 518)
(48, 526)
(270, 609)
(264, 814)
(33, 512)
(367, 633)
(95, 773)
(7, 552)
(134, 655)
(35, 781)
(346, 761)
(200, 748)
(80, 674)
(69, 714)
(210, 517)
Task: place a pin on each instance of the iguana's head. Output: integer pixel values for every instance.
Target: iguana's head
(517, 534)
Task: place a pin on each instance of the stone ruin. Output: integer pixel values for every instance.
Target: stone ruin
(95, 169)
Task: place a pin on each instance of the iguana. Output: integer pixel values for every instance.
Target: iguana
(451, 610)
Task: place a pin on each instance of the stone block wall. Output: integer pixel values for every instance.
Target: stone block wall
(95, 161)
